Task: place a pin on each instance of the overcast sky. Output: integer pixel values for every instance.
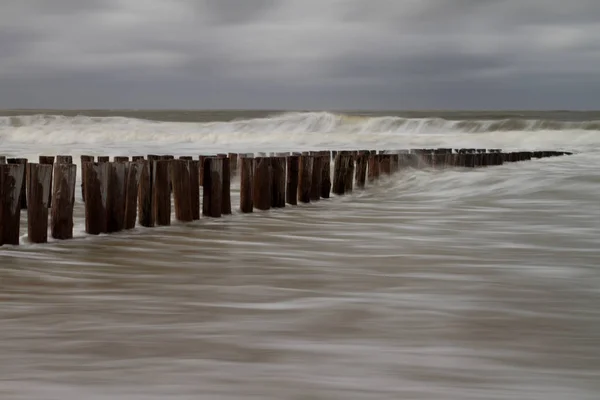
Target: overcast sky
(300, 54)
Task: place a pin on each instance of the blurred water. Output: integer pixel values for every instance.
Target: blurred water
(456, 284)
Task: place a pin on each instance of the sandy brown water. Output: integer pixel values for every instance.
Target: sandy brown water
(457, 284)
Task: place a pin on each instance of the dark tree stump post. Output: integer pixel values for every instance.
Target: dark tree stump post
(326, 174)
(373, 170)
(233, 164)
(212, 188)
(48, 160)
(293, 168)
(194, 170)
(226, 185)
(63, 194)
(161, 193)
(23, 194)
(180, 177)
(11, 179)
(97, 177)
(339, 174)
(316, 177)
(246, 162)
(116, 200)
(361, 170)
(145, 214)
(84, 159)
(134, 173)
(305, 177)
(263, 183)
(38, 188)
(278, 179)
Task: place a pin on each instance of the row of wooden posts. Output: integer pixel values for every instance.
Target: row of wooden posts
(120, 193)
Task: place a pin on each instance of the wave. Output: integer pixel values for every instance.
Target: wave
(295, 129)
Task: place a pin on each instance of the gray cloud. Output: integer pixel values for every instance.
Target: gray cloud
(307, 54)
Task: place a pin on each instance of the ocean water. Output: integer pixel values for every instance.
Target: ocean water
(454, 284)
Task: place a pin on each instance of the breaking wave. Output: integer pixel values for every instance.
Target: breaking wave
(297, 130)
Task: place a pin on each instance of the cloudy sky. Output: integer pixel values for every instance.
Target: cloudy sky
(300, 54)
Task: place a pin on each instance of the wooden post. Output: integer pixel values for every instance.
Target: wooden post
(246, 181)
(233, 164)
(180, 177)
(2, 160)
(134, 172)
(326, 174)
(201, 169)
(212, 188)
(291, 189)
(38, 188)
(137, 158)
(226, 185)
(263, 181)
(373, 170)
(103, 159)
(64, 159)
(116, 199)
(84, 159)
(349, 178)
(145, 214)
(305, 177)
(63, 194)
(121, 158)
(161, 193)
(317, 176)
(194, 169)
(96, 180)
(361, 170)
(186, 158)
(48, 160)
(278, 180)
(11, 179)
(23, 194)
(339, 174)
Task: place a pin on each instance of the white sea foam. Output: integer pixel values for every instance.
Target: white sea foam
(56, 134)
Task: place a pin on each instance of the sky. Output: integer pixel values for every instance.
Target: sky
(300, 54)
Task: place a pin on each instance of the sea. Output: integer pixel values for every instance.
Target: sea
(456, 284)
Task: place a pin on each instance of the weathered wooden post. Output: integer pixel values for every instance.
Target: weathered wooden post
(246, 182)
(97, 176)
(63, 195)
(84, 159)
(23, 194)
(103, 159)
(137, 158)
(48, 160)
(326, 174)
(340, 173)
(278, 169)
(263, 183)
(305, 177)
(182, 195)
(349, 168)
(317, 176)
(233, 164)
(186, 158)
(134, 173)
(385, 164)
(38, 189)
(11, 179)
(194, 170)
(145, 214)
(212, 187)
(293, 168)
(373, 167)
(361, 169)
(121, 158)
(226, 185)
(201, 168)
(161, 193)
(2, 159)
(116, 200)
